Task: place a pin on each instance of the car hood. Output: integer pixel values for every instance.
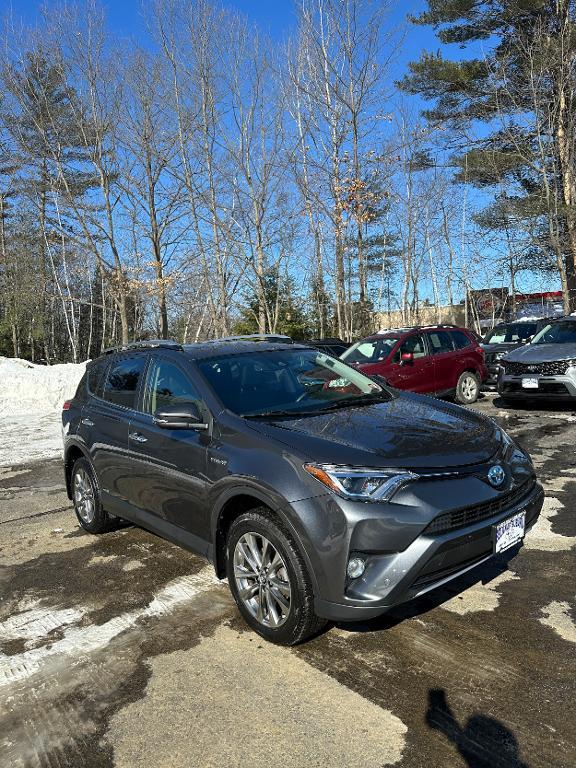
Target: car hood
(411, 431)
(502, 346)
(542, 353)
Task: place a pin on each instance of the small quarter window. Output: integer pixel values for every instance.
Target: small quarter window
(96, 374)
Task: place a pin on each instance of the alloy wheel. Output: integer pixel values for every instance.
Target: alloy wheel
(262, 580)
(84, 495)
(469, 388)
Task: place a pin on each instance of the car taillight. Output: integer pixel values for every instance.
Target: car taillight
(66, 406)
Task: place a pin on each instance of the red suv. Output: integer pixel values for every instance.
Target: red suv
(442, 360)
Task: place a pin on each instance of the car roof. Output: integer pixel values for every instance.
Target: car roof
(203, 350)
(413, 329)
(219, 348)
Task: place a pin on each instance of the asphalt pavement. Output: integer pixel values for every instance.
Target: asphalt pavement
(124, 650)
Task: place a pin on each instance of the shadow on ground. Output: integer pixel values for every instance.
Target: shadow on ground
(482, 741)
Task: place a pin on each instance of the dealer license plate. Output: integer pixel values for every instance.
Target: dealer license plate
(509, 532)
(530, 382)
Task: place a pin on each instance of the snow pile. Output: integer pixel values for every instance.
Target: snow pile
(25, 386)
(31, 398)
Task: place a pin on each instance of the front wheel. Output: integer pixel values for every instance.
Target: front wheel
(269, 579)
(468, 388)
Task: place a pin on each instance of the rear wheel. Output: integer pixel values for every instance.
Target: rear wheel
(86, 499)
(468, 388)
(269, 579)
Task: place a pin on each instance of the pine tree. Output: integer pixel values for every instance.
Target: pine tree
(523, 92)
(52, 143)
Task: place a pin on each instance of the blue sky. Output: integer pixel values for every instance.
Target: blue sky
(277, 18)
(274, 16)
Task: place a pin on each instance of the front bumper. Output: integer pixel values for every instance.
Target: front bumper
(427, 562)
(549, 387)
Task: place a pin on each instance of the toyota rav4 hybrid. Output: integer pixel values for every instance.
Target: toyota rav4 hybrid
(440, 360)
(320, 494)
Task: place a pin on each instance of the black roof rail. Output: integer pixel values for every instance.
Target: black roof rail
(150, 344)
(280, 337)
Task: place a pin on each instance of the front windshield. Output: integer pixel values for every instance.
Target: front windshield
(286, 382)
(370, 350)
(557, 333)
(509, 334)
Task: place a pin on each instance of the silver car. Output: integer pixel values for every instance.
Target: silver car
(545, 368)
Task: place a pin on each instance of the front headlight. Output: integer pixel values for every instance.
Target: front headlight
(362, 483)
(499, 355)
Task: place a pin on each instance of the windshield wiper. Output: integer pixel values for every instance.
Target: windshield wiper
(352, 402)
(275, 414)
(347, 402)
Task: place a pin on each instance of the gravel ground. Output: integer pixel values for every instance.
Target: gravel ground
(123, 650)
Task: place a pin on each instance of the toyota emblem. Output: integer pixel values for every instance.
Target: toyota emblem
(496, 475)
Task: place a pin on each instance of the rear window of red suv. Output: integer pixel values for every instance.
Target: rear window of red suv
(440, 342)
(370, 351)
(461, 340)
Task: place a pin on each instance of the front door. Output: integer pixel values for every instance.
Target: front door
(169, 465)
(416, 375)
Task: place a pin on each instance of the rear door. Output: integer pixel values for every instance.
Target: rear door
(114, 386)
(470, 356)
(417, 375)
(445, 361)
(168, 466)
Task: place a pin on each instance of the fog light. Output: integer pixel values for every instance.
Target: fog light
(355, 567)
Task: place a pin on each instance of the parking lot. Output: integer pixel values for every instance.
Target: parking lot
(123, 650)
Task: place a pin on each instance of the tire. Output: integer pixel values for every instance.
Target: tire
(468, 388)
(278, 603)
(86, 499)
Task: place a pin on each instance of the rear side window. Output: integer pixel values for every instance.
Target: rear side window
(461, 340)
(122, 381)
(440, 341)
(96, 373)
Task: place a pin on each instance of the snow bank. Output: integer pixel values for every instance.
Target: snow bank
(31, 398)
(25, 386)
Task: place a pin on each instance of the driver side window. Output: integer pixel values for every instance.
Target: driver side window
(168, 385)
(412, 345)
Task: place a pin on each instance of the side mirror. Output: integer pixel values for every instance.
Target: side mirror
(406, 358)
(184, 416)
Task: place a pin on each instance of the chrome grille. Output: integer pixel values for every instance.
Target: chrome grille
(461, 518)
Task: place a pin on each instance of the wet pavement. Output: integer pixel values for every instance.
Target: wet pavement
(123, 650)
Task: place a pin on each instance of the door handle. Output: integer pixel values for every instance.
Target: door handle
(88, 422)
(138, 437)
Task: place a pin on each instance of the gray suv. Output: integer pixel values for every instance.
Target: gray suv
(543, 369)
(318, 492)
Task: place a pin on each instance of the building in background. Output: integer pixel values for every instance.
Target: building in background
(481, 310)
